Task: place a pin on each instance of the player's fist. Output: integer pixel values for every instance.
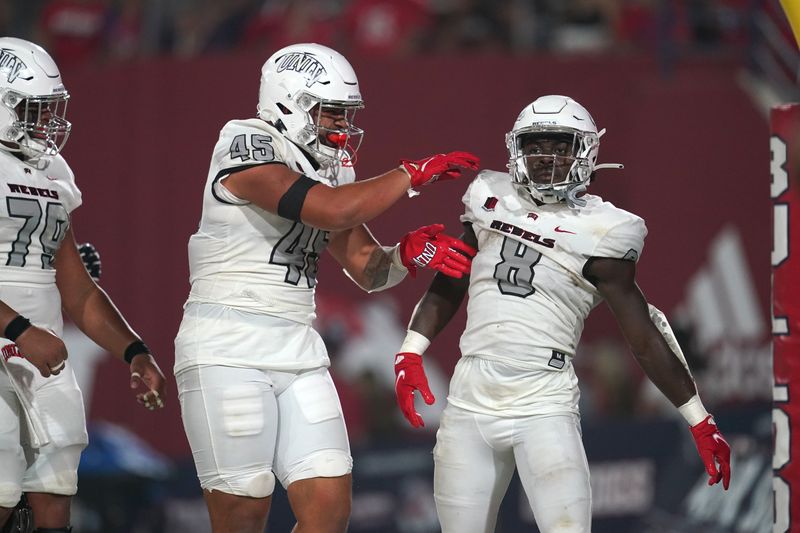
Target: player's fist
(91, 259)
(410, 377)
(439, 167)
(713, 450)
(43, 349)
(429, 247)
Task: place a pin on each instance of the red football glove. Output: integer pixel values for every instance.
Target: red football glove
(711, 446)
(439, 166)
(429, 247)
(411, 377)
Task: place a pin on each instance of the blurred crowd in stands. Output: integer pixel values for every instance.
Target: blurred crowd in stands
(122, 30)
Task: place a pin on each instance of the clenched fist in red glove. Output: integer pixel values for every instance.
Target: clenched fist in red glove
(713, 449)
(411, 377)
(439, 166)
(429, 247)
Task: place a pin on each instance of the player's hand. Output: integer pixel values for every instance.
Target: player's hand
(429, 247)
(91, 259)
(410, 377)
(439, 167)
(43, 349)
(713, 450)
(145, 371)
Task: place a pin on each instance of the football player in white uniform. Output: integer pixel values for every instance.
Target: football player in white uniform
(42, 426)
(256, 397)
(547, 255)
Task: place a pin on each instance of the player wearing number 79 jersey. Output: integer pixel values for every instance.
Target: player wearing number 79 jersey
(547, 255)
(41, 275)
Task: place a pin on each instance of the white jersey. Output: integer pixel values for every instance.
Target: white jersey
(243, 256)
(256, 264)
(34, 217)
(528, 298)
(35, 207)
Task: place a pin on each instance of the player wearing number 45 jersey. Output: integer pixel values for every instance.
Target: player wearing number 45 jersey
(547, 255)
(42, 426)
(257, 400)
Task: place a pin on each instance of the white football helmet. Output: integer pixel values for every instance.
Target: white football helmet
(33, 102)
(299, 83)
(553, 149)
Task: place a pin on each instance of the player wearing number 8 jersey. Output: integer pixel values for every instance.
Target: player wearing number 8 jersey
(257, 400)
(547, 255)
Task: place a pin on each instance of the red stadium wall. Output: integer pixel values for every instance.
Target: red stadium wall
(785, 167)
(693, 146)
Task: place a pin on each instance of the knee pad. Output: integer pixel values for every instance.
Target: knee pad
(10, 494)
(251, 484)
(61, 483)
(325, 463)
(55, 472)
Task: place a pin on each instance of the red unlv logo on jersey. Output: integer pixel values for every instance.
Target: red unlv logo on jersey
(490, 203)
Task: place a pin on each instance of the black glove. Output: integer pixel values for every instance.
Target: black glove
(91, 259)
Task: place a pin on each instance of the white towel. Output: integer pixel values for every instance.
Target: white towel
(36, 428)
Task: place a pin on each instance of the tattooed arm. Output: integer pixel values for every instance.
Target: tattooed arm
(372, 266)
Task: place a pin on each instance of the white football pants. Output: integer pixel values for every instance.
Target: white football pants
(475, 456)
(52, 468)
(247, 426)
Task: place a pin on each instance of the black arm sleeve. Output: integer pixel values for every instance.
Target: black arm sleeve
(291, 203)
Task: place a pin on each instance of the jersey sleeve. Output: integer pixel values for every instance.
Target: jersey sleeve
(478, 184)
(624, 240)
(243, 144)
(69, 194)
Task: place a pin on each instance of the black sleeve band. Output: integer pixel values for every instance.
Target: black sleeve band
(291, 203)
(225, 172)
(16, 327)
(134, 349)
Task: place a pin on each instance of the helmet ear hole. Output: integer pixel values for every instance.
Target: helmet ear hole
(11, 99)
(285, 110)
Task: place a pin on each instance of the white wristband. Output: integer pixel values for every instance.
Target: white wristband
(394, 253)
(415, 343)
(693, 411)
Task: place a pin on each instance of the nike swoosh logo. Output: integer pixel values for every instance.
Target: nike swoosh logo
(719, 438)
(400, 375)
(559, 230)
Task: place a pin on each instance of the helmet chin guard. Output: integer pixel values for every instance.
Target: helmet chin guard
(553, 150)
(302, 83)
